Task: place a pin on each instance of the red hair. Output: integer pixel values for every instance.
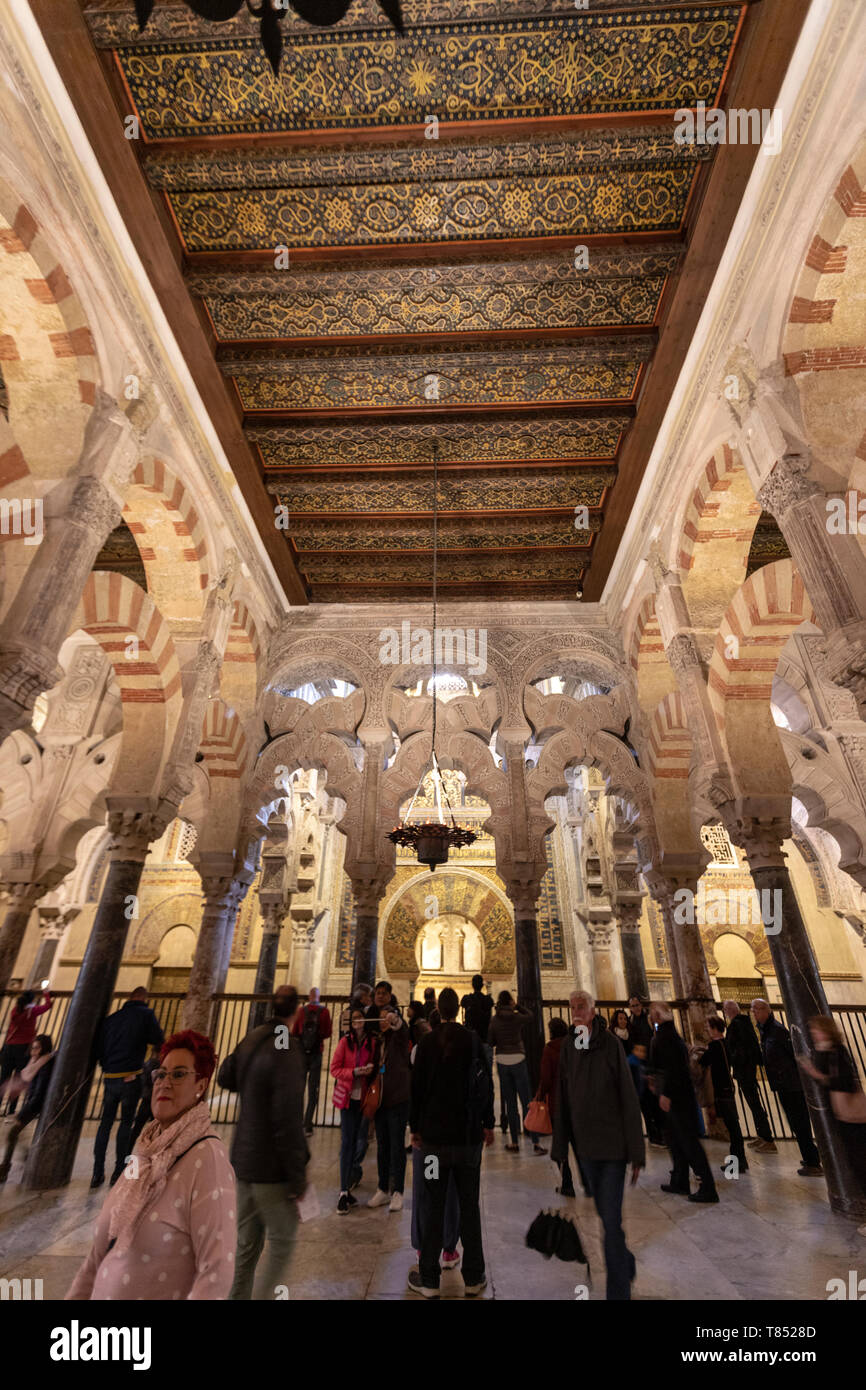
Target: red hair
(201, 1048)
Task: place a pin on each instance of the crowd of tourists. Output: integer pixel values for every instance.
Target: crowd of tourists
(184, 1220)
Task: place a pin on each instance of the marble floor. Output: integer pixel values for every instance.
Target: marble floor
(772, 1236)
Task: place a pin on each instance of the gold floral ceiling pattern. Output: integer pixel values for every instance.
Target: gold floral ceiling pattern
(467, 236)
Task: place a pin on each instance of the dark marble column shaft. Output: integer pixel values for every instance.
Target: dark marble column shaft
(633, 962)
(53, 1153)
(24, 897)
(803, 995)
(366, 945)
(529, 992)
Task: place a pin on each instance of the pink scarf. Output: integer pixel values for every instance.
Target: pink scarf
(156, 1151)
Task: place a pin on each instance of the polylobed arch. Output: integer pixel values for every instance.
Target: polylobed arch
(128, 626)
(760, 619)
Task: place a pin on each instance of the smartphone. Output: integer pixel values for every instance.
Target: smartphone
(45, 984)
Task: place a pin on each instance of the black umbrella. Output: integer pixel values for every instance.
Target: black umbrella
(556, 1233)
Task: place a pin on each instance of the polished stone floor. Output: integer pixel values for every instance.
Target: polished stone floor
(771, 1236)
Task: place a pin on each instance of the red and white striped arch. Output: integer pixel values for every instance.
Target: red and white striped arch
(670, 742)
(222, 742)
(171, 538)
(239, 676)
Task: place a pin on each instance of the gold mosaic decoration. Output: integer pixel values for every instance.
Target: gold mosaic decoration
(469, 71)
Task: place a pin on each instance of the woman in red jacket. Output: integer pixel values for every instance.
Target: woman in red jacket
(548, 1088)
(352, 1066)
(22, 1031)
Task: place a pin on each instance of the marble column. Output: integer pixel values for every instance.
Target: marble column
(665, 905)
(240, 888)
(628, 922)
(694, 972)
(132, 831)
(301, 968)
(273, 917)
(21, 899)
(367, 898)
(802, 993)
(39, 615)
(601, 937)
(53, 922)
(217, 903)
(524, 896)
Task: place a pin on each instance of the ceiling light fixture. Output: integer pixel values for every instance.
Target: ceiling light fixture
(432, 839)
(322, 13)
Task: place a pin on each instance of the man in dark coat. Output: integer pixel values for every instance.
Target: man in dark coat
(269, 1152)
(122, 1044)
(599, 1114)
(744, 1055)
(669, 1068)
(640, 1034)
(783, 1075)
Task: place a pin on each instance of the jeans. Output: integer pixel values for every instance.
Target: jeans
(264, 1209)
(687, 1151)
(13, 1056)
(726, 1109)
(748, 1084)
(794, 1105)
(390, 1146)
(514, 1083)
(605, 1179)
(351, 1120)
(313, 1066)
(361, 1144)
(421, 1211)
(464, 1163)
(125, 1094)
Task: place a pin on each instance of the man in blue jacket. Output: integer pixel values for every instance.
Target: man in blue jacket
(123, 1043)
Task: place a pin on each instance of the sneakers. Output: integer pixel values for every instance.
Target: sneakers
(353, 1201)
(343, 1204)
(414, 1283)
(704, 1194)
(379, 1198)
(765, 1146)
(473, 1290)
(396, 1202)
(808, 1170)
(450, 1258)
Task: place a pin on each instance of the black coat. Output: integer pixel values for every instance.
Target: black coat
(269, 1143)
(126, 1035)
(782, 1071)
(640, 1032)
(597, 1108)
(669, 1061)
(744, 1049)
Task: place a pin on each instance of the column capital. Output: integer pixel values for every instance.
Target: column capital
(683, 654)
(760, 839)
(368, 893)
(303, 933)
(628, 915)
(523, 894)
(601, 935)
(18, 896)
(788, 484)
(93, 506)
(134, 825)
(273, 916)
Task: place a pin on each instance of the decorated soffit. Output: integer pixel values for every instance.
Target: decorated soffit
(467, 236)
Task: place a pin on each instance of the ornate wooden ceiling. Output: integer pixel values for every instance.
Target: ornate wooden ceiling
(373, 282)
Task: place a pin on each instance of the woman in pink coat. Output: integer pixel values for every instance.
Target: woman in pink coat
(352, 1066)
(167, 1229)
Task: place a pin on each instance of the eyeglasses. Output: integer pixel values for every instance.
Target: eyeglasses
(176, 1075)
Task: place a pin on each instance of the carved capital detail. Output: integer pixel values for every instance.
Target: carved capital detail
(683, 654)
(787, 485)
(628, 916)
(133, 831)
(93, 507)
(760, 840)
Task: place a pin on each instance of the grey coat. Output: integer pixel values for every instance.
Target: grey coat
(269, 1143)
(598, 1109)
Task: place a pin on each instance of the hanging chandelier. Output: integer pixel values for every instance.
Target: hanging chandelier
(432, 839)
(322, 13)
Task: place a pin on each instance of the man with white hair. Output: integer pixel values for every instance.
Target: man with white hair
(669, 1063)
(744, 1055)
(599, 1114)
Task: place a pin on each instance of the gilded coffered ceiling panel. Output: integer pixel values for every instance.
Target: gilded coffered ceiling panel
(460, 492)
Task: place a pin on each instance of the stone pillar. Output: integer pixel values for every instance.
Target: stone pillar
(802, 992)
(628, 921)
(368, 895)
(832, 566)
(53, 922)
(301, 966)
(240, 888)
(21, 899)
(524, 896)
(601, 936)
(697, 989)
(217, 903)
(666, 908)
(273, 917)
(132, 830)
(39, 616)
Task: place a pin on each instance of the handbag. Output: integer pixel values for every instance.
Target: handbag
(373, 1099)
(537, 1119)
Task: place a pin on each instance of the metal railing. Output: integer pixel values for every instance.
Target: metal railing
(231, 1022)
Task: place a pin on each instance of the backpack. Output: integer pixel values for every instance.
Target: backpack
(310, 1030)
